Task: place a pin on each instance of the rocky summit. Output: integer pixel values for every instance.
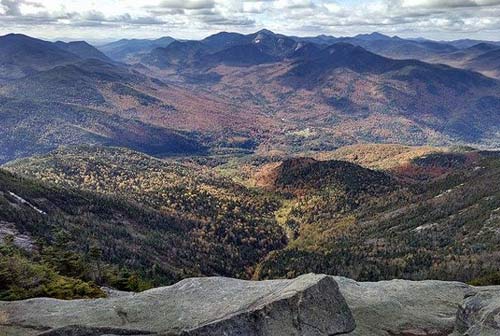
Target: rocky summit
(310, 305)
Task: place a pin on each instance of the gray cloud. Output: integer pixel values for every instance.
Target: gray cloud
(11, 7)
(187, 4)
(429, 18)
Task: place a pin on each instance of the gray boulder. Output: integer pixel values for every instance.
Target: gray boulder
(479, 315)
(403, 308)
(310, 305)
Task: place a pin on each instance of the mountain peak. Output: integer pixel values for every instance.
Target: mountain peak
(18, 37)
(483, 47)
(265, 32)
(15, 35)
(373, 36)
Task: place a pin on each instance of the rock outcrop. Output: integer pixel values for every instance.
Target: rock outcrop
(310, 305)
(403, 308)
(479, 315)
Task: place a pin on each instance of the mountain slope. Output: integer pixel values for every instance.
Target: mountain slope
(164, 219)
(482, 58)
(487, 63)
(224, 48)
(95, 102)
(129, 50)
(416, 220)
(21, 55)
(344, 94)
(303, 175)
(244, 55)
(419, 230)
(30, 127)
(176, 53)
(392, 47)
(224, 40)
(262, 92)
(77, 83)
(82, 49)
(338, 94)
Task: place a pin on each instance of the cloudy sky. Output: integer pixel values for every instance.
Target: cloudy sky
(111, 19)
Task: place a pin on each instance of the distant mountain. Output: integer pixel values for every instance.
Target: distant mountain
(375, 36)
(31, 127)
(355, 58)
(317, 86)
(398, 48)
(223, 40)
(86, 102)
(234, 92)
(77, 83)
(83, 50)
(464, 55)
(176, 53)
(229, 48)
(21, 55)
(482, 57)
(487, 63)
(428, 83)
(392, 47)
(276, 45)
(244, 55)
(467, 43)
(266, 41)
(130, 50)
(97, 101)
(339, 55)
(267, 46)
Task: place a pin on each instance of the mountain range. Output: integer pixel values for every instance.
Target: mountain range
(127, 50)
(234, 92)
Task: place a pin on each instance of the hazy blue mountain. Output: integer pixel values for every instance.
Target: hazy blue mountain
(129, 49)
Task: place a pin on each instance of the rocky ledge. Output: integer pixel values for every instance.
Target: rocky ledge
(310, 305)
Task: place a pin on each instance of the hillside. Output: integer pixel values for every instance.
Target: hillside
(431, 209)
(443, 214)
(80, 83)
(302, 176)
(22, 55)
(82, 49)
(343, 95)
(487, 63)
(482, 57)
(30, 127)
(393, 47)
(379, 156)
(130, 50)
(186, 220)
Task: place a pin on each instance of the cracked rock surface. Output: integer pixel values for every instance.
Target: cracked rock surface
(310, 305)
(479, 315)
(402, 307)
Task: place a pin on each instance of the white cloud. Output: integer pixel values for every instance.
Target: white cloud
(197, 18)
